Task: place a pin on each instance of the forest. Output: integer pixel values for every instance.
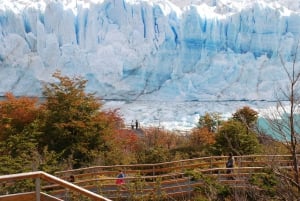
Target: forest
(69, 129)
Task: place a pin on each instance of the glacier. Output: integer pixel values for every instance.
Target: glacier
(157, 51)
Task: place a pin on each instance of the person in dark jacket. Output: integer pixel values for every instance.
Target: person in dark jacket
(230, 163)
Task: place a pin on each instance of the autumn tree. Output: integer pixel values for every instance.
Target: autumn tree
(159, 137)
(120, 144)
(247, 116)
(21, 120)
(123, 145)
(17, 113)
(201, 138)
(71, 126)
(156, 145)
(210, 121)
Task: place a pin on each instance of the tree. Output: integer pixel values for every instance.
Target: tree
(17, 113)
(233, 137)
(18, 133)
(154, 155)
(211, 121)
(21, 121)
(17, 153)
(247, 116)
(284, 121)
(202, 138)
(157, 145)
(159, 137)
(120, 147)
(71, 126)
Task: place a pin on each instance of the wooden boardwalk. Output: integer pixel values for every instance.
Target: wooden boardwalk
(165, 180)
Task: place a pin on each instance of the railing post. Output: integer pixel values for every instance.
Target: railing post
(240, 158)
(38, 189)
(190, 188)
(153, 170)
(181, 166)
(211, 165)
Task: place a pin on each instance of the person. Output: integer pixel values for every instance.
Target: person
(72, 178)
(132, 125)
(230, 163)
(136, 124)
(120, 178)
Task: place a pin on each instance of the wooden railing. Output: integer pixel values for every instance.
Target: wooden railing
(102, 178)
(178, 166)
(38, 176)
(171, 185)
(168, 178)
(28, 197)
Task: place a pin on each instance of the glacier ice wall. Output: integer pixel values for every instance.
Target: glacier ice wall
(149, 50)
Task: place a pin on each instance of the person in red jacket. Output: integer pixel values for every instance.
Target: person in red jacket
(120, 178)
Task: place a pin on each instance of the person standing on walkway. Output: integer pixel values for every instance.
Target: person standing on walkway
(72, 178)
(136, 124)
(120, 178)
(230, 163)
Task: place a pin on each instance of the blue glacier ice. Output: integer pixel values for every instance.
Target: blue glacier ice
(155, 50)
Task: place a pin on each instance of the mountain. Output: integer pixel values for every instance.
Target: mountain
(155, 50)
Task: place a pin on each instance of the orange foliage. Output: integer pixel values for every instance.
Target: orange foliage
(118, 137)
(159, 137)
(111, 119)
(202, 136)
(123, 139)
(17, 112)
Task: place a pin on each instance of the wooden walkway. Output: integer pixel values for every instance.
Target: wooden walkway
(165, 180)
(170, 179)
